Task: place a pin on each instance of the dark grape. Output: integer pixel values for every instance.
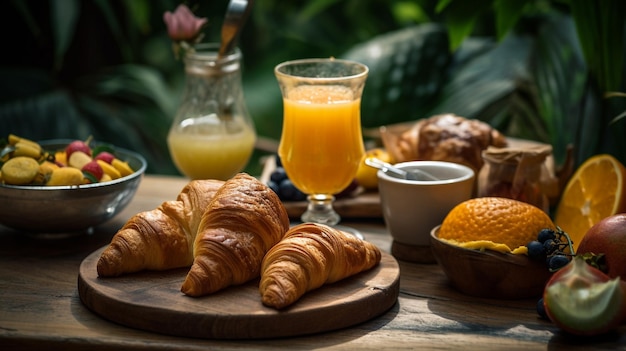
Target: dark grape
(278, 175)
(536, 250)
(541, 309)
(546, 234)
(550, 246)
(557, 262)
(289, 192)
(274, 186)
(348, 190)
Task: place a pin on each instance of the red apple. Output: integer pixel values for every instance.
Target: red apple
(77, 145)
(94, 169)
(105, 156)
(608, 237)
(583, 300)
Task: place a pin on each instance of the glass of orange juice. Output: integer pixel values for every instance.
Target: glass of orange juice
(321, 143)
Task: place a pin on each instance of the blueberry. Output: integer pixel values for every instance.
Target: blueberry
(274, 186)
(289, 192)
(279, 163)
(536, 250)
(557, 262)
(348, 190)
(550, 246)
(541, 309)
(546, 234)
(278, 175)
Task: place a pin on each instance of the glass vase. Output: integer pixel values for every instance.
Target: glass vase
(213, 135)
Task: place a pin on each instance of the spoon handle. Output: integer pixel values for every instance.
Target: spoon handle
(236, 15)
(384, 166)
(415, 174)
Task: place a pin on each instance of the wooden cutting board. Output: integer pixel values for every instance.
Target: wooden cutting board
(152, 301)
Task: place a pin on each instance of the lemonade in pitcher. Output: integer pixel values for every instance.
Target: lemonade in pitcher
(212, 135)
(202, 155)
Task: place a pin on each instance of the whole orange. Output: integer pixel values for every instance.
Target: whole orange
(494, 223)
(608, 237)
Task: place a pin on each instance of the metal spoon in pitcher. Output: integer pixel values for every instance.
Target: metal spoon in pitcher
(236, 15)
(413, 174)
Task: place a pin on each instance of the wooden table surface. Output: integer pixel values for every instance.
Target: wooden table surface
(40, 307)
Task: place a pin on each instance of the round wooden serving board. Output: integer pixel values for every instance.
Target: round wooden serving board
(152, 301)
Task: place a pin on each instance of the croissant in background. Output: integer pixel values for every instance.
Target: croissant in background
(309, 256)
(242, 222)
(162, 238)
(445, 137)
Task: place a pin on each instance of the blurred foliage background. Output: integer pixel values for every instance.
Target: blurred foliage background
(550, 71)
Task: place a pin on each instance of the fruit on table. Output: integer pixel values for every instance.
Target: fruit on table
(45, 171)
(122, 166)
(494, 223)
(92, 171)
(25, 162)
(282, 185)
(552, 246)
(582, 300)
(595, 191)
(27, 149)
(108, 169)
(287, 191)
(20, 170)
(78, 145)
(366, 176)
(78, 159)
(105, 156)
(66, 176)
(607, 238)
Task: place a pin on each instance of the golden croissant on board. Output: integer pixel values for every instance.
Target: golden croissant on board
(162, 238)
(242, 222)
(309, 256)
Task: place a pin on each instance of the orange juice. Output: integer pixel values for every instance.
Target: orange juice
(201, 155)
(321, 144)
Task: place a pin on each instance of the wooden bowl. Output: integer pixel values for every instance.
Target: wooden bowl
(490, 274)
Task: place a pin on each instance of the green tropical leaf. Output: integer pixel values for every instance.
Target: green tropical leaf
(560, 76)
(461, 17)
(601, 27)
(508, 13)
(407, 69)
(64, 15)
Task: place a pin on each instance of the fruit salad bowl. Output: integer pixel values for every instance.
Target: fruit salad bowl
(69, 209)
(490, 274)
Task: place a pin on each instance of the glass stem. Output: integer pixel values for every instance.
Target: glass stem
(320, 210)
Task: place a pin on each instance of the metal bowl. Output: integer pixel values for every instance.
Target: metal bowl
(67, 209)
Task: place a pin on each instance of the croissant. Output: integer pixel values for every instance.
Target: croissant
(445, 137)
(242, 222)
(309, 256)
(161, 238)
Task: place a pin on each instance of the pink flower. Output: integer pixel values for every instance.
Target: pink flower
(182, 25)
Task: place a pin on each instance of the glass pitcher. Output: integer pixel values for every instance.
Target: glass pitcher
(212, 136)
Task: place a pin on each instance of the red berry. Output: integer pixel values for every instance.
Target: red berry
(105, 156)
(77, 145)
(94, 169)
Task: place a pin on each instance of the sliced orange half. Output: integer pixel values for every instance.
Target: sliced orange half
(595, 191)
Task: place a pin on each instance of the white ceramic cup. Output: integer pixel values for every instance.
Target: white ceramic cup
(412, 208)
